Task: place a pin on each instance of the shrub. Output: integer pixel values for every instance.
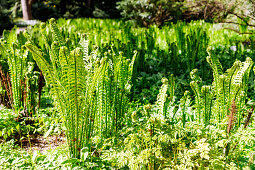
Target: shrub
(209, 10)
(147, 12)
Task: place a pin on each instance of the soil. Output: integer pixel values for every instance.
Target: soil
(41, 144)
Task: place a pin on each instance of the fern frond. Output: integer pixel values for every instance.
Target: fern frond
(46, 68)
(162, 96)
(246, 66)
(56, 33)
(231, 116)
(84, 43)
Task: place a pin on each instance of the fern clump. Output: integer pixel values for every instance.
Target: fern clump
(90, 91)
(22, 76)
(73, 86)
(214, 101)
(166, 98)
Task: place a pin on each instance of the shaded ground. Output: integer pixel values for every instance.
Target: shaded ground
(41, 144)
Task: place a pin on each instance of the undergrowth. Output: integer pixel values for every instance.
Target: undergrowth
(175, 97)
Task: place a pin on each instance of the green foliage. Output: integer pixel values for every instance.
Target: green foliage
(21, 129)
(160, 52)
(89, 91)
(22, 76)
(8, 126)
(113, 89)
(21, 159)
(228, 87)
(191, 43)
(159, 12)
(103, 75)
(150, 12)
(155, 143)
(73, 84)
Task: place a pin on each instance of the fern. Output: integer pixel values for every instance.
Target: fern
(207, 94)
(162, 97)
(195, 84)
(90, 91)
(225, 88)
(165, 98)
(184, 104)
(56, 33)
(73, 92)
(23, 96)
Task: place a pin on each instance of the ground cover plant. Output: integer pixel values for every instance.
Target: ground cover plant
(106, 94)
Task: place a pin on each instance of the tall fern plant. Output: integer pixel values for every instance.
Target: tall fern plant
(166, 98)
(113, 89)
(73, 78)
(21, 71)
(213, 102)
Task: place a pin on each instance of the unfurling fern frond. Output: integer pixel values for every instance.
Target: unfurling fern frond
(16, 62)
(226, 87)
(56, 33)
(215, 64)
(195, 85)
(42, 63)
(84, 43)
(207, 93)
(184, 104)
(162, 96)
(244, 69)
